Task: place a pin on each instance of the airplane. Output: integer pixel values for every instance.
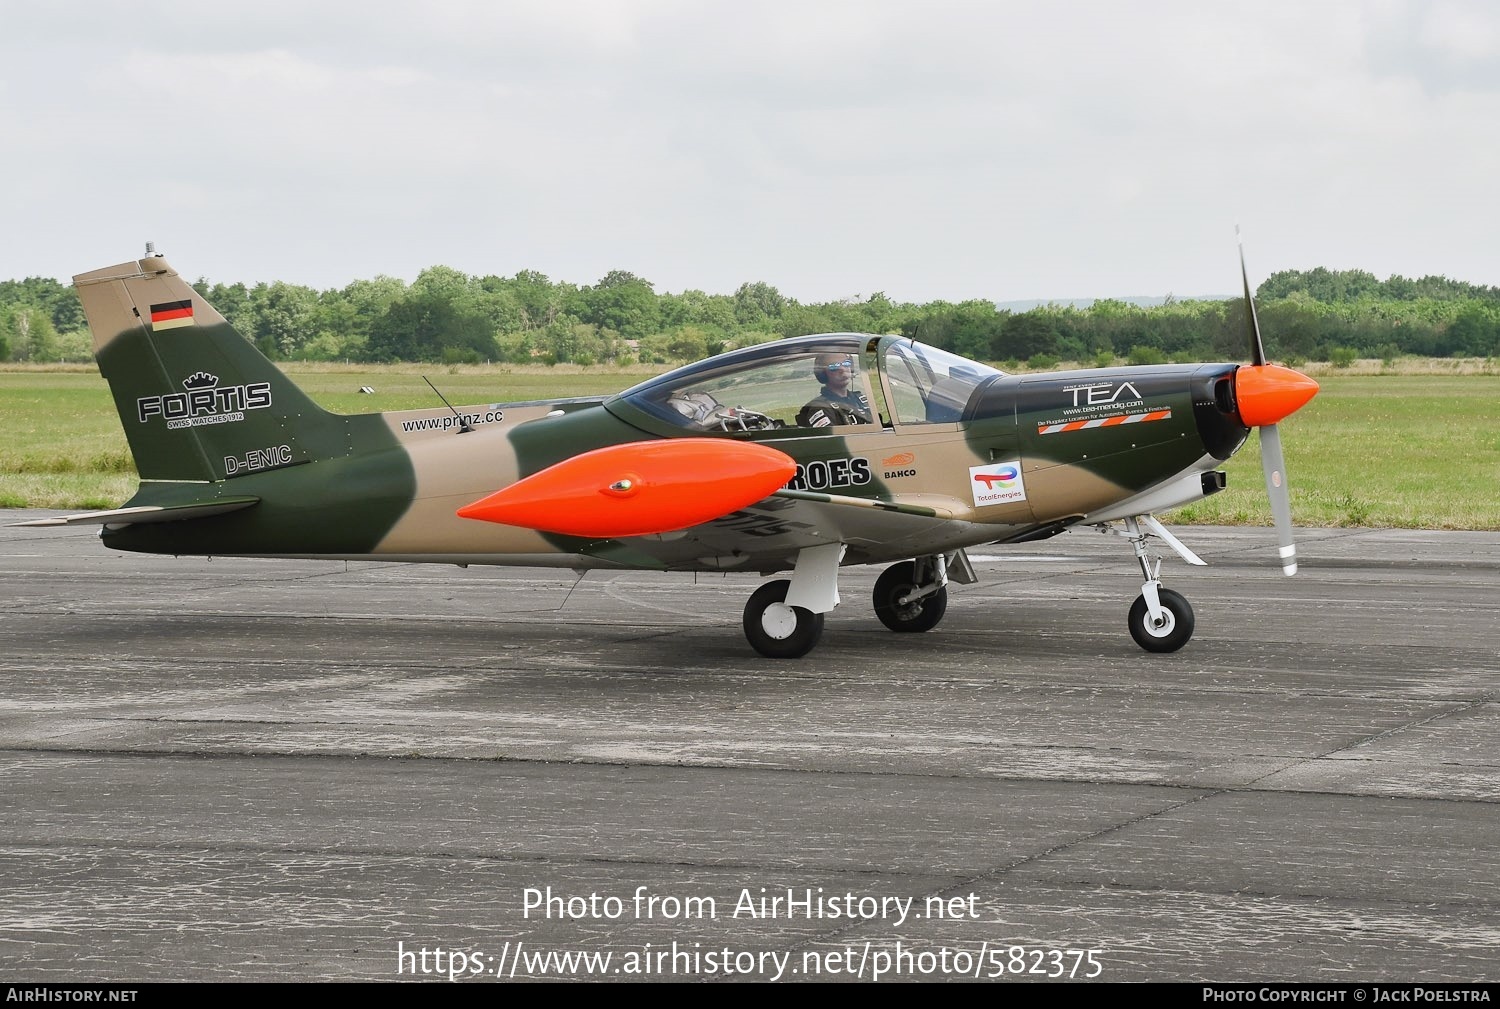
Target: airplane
(806, 455)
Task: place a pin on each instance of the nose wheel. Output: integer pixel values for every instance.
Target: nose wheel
(1169, 630)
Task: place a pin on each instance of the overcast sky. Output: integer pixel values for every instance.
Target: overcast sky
(925, 149)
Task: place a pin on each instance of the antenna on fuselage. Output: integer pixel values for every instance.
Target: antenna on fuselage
(463, 425)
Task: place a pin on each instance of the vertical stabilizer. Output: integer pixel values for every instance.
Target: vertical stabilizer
(197, 400)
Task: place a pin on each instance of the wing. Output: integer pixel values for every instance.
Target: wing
(717, 505)
(767, 535)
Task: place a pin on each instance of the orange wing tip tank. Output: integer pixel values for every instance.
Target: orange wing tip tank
(1268, 392)
(639, 488)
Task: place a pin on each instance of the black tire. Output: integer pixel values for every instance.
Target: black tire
(1173, 634)
(919, 615)
(771, 633)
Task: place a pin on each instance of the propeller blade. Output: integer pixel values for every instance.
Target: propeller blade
(1274, 464)
(1257, 347)
(1266, 393)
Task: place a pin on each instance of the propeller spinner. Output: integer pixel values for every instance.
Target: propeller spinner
(1266, 393)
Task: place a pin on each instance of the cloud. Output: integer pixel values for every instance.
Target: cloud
(937, 150)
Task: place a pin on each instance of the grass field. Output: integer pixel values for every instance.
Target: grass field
(1417, 446)
(1395, 451)
(63, 446)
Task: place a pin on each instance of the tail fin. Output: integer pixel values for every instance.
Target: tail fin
(198, 401)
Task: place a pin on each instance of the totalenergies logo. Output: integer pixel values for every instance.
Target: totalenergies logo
(1006, 476)
(997, 483)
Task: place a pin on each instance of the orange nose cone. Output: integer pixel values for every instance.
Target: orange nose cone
(639, 488)
(1268, 392)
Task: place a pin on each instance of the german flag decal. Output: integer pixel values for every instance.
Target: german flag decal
(171, 315)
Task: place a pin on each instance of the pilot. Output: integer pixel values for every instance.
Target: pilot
(839, 401)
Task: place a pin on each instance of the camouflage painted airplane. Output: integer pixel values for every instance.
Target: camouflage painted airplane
(802, 455)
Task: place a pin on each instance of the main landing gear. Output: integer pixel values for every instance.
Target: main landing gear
(1160, 620)
(912, 596)
(784, 618)
(779, 631)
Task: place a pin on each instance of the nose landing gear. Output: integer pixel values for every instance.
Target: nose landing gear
(1160, 620)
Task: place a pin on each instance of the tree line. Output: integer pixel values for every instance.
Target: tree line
(448, 316)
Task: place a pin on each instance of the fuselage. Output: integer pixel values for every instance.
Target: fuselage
(955, 454)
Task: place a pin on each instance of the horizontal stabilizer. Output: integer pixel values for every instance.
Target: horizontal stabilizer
(146, 513)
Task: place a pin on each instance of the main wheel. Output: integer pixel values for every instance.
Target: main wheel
(779, 631)
(1176, 626)
(918, 615)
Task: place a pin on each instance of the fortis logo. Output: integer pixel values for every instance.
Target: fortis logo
(204, 402)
